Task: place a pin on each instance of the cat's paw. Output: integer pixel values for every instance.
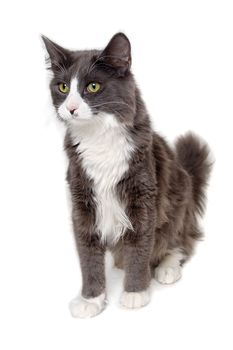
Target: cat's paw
(135, 300)
(167, 274)
(86, 308)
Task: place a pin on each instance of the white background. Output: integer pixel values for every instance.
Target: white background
(183, 62)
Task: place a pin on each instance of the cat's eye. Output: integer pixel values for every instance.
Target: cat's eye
(63, 87)
(93, 87)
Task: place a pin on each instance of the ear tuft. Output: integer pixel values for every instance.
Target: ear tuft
(117, 54)
(59, 58)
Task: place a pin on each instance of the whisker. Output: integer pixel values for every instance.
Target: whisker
(114, 111)
(111, 102)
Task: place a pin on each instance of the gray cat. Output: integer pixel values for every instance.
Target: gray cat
(131, 192)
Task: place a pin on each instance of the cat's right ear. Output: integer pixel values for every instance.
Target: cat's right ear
(58, 58)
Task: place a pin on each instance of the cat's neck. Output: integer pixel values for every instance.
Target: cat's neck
(105, 149)
(103, 126)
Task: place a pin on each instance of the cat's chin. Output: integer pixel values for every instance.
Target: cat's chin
(77, 121)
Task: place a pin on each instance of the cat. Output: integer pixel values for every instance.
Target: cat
(131, 192)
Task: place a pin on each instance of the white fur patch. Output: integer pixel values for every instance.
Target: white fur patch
(86, 308)
(135, 300)
(74, 101)
(105, 149)
(169, 270)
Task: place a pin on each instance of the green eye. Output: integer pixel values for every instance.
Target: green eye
(93, 87)
(64, 88)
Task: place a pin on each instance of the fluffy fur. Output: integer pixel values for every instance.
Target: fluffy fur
(86, 308)
(105, 149)
(131, 192)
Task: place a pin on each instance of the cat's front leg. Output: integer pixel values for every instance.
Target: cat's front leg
(137, 251)
(91, 254)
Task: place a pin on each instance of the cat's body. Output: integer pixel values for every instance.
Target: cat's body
(131, 192)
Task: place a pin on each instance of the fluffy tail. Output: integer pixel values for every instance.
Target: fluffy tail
(194, 155)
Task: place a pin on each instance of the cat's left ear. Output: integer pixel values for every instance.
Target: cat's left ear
(59, 58)
(117, 54)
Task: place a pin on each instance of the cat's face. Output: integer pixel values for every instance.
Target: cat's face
(87, 85)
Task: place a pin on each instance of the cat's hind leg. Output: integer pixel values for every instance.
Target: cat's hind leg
(169, 269)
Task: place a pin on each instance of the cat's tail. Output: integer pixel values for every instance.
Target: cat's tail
(194, 156)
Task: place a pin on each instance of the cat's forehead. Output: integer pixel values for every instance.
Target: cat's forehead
(83, 62)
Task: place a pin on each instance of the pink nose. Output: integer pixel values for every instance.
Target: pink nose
(72, 108)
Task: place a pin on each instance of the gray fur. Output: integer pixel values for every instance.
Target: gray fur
(163, 188)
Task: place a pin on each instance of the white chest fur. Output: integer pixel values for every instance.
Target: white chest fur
(105, 149)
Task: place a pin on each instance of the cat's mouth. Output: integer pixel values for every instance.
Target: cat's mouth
(75, 116)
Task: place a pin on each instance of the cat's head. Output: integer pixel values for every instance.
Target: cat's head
(92, 84)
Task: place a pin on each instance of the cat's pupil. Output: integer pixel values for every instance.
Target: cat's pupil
(94, 86)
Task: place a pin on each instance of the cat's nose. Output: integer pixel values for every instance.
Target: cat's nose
(72, 111)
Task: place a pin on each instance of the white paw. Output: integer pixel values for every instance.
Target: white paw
(135, 300)
(167, 274)
(86, 308)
